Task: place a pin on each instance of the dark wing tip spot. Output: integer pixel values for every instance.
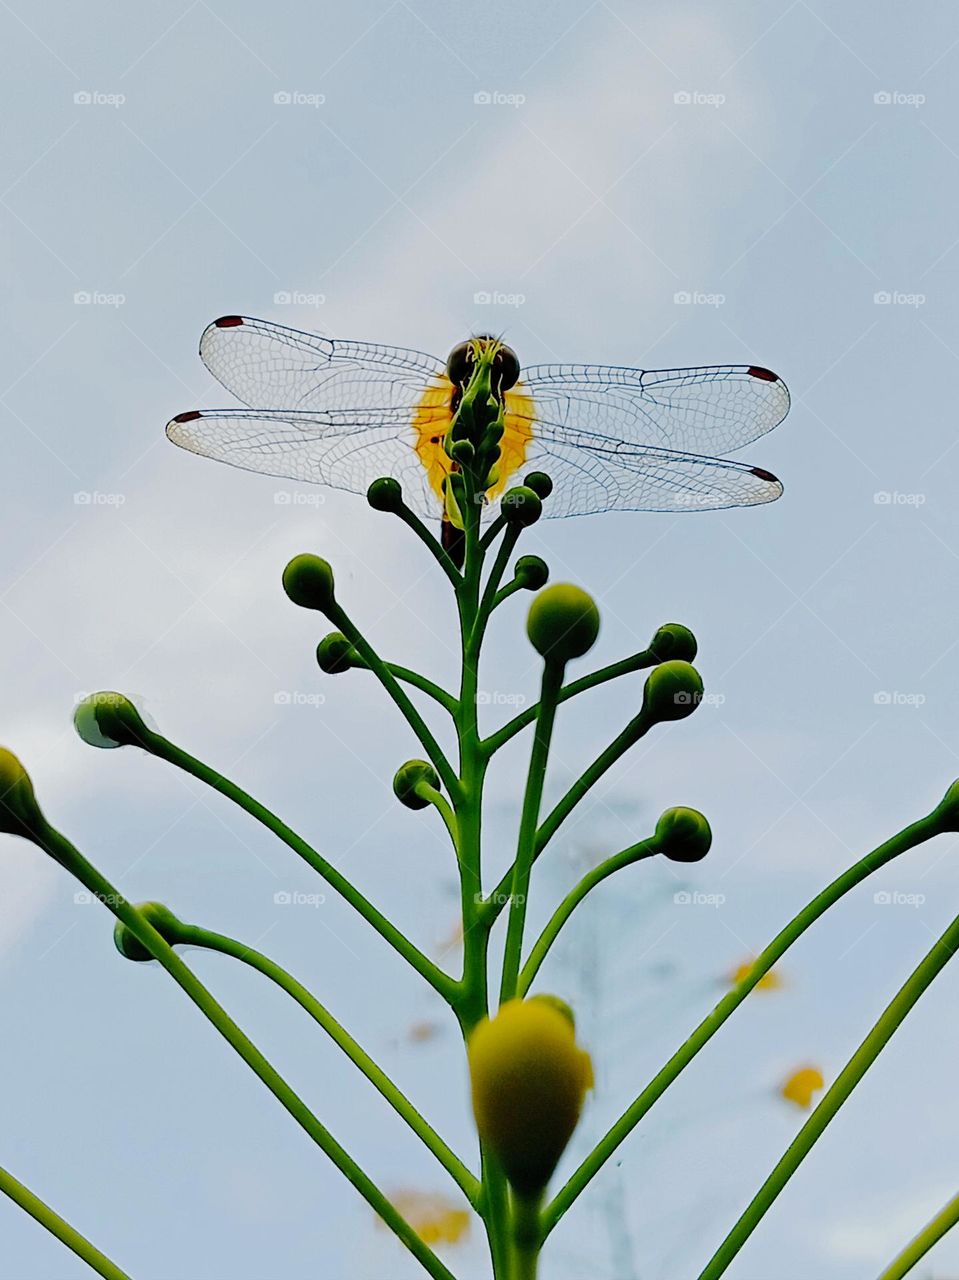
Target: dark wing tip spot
(228, 322)
(765, 475)
(754, 371)
(191, 416)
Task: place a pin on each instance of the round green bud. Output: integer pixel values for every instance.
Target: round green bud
(563, 622)
(19, 812)
(560, 1005)
(308, 581)
(683, 835)
(540, 483)
(531, 573)
(334, 653)
(408, 777)
(673, 640)
(108, 719)
(673, 690)
(521, 506)
(163, 920)
(462, 451)
(385, 494)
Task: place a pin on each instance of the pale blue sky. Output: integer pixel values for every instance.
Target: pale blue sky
(785, 192)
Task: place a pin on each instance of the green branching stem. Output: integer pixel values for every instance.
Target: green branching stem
(908, 838)
(397, 693)
(635, 853)
(42, 1213)
(931, 1234)
(636, 662)
(161, 747)
(418, 681)
(882, 1032)
(433, 545)
(68, 856)
(194, 935)
(636, 728)
(526, 847)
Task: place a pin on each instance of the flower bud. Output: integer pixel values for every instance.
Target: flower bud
(563, 622)
(529, 1079)
(673, 640)
(683, 835)
(520, 507)
(462, 451)
(560, 1005)
(673, 690)
(540, 483)
(531, 573)
(334, 653)
(385, 494)
(407, 779)
(108, 720)
(308, 581)
(19, 812)
(167, 925)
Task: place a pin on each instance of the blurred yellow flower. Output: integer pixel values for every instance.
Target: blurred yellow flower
(529, 1080)
(422, 1032)
(801, 1085)
(435, 1219)
(770, 981)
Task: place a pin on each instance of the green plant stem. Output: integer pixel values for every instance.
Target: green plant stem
(436, 548)
(418, 681)
(526, 844)
(635, 730)
(488, 602)
(637, 662)
(882, 1032)
(931, 1234)
(161, 747)
(42, 1213)
(194, 935)
(908, 838)
(60, 848)
(380, 669)
(635, 853)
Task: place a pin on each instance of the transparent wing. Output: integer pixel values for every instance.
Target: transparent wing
(712, 410)
(268, 366)
(590, 477)
(346, 449)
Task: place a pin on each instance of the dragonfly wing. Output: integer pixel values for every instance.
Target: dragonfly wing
(590, 477)
(345, 449)
(711, 410)
(268, 366)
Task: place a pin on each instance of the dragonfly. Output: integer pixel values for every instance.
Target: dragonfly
(343, 413)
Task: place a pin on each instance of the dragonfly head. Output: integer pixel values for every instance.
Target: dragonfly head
(462, 362)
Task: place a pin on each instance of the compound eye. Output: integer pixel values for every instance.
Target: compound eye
(459, 366)
(506, 365)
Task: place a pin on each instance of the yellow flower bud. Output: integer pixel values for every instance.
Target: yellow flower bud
(529, 1079)
(19, 812)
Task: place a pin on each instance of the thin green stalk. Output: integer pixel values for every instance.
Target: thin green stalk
(60, 848)
(161, 747)
(488, 602)
(882, 1032)
(635, 853)
(194, 935)
(42, 1213)
(916, 833)
(418, 681)
(380, 669)
(637, 662)
(931, 1234)
(635, 730)
(526, 844)
(433, 545)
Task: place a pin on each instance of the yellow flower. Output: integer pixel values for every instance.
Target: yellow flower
(801, 1086)
(529, 1080)
(770, 981)
(435, 1219)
